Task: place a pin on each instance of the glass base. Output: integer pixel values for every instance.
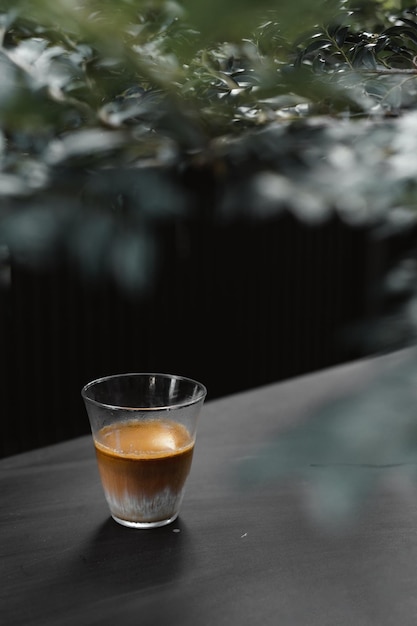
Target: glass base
(144, 525)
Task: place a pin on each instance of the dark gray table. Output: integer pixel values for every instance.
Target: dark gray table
(235, 556)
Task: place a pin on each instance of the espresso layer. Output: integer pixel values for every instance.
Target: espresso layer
(143, 468)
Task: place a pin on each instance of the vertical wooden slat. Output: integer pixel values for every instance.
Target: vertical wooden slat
(242, 305)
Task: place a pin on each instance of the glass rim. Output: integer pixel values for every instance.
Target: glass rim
(202, 391)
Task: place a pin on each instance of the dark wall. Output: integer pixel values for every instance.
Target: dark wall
(233, 305)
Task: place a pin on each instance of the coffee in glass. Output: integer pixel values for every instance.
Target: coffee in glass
(144, 429)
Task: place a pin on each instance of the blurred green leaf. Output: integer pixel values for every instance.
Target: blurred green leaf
(234, 20)
(346, 447)
(132, 260)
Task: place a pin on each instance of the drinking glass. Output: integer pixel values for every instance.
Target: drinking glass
(144, 429)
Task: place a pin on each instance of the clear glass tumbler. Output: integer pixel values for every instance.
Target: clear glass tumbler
(144, 430)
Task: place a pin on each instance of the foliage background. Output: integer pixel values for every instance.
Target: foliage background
(94, 92)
